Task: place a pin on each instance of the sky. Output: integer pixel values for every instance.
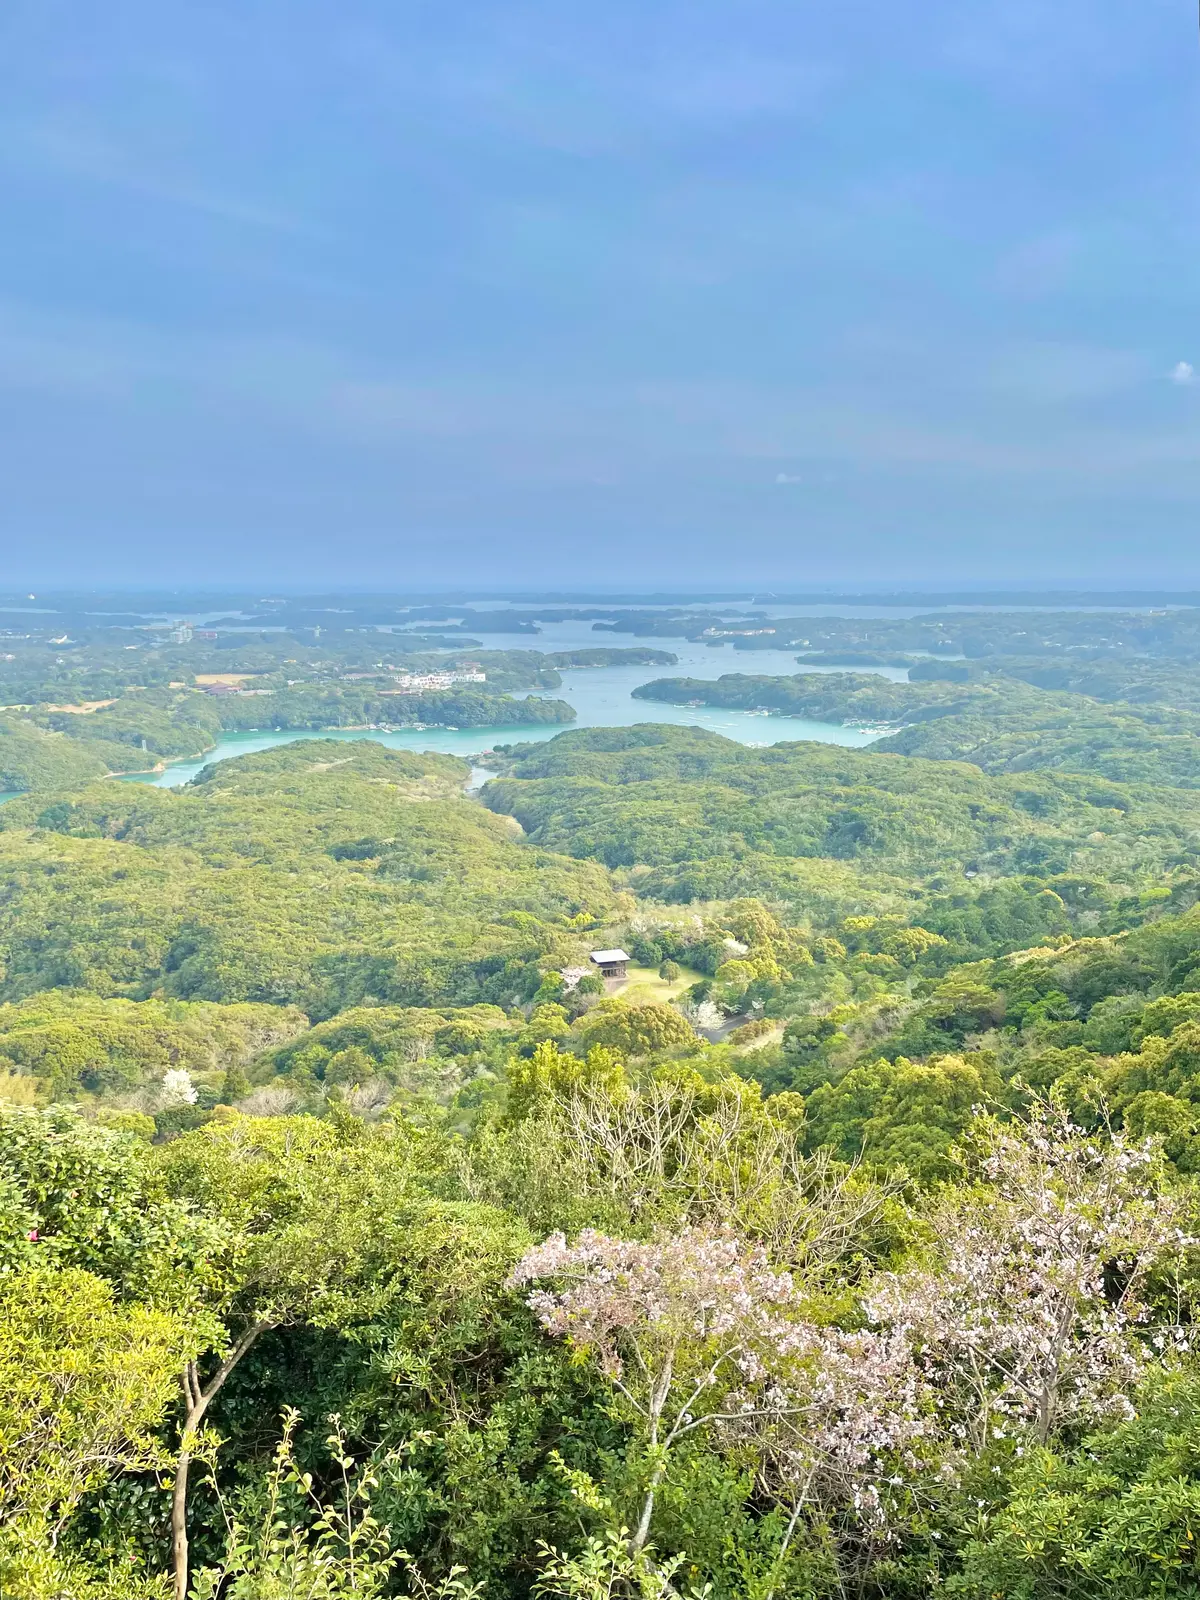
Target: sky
(766, 292)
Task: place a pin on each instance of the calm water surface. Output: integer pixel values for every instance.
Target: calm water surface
(602, 696)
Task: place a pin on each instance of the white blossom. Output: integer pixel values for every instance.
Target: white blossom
(1029, 1311)
(704, 1014)
(177, 1088)
(696, 1329)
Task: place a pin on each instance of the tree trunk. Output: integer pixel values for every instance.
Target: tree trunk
(179, 1538)
(197, 1400)
(659, 1390)
(643, 1528)
(787, 1537)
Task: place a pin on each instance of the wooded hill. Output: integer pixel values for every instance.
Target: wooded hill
(354, 1241)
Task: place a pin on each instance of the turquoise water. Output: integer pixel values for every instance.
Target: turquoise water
(746, 727)
(601, 696)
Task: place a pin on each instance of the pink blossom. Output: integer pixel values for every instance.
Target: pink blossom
(696, 1329)
(1029, 1311)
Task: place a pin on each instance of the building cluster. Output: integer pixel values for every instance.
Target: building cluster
(183, 632)
(419, 682)
(735, 633)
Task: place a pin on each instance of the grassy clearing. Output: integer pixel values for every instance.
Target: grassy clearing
(645, 984)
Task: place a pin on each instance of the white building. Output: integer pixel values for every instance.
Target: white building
(418, 682)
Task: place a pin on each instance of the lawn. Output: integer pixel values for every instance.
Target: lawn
(645, 984)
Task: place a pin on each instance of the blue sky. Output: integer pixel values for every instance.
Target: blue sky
(770, 292)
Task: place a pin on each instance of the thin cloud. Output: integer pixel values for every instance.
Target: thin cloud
(1183, 373)
(89, 156)
(788, 477)
(1050, 372)
(1037, 267)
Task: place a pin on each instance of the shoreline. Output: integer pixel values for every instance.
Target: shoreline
(342, 727)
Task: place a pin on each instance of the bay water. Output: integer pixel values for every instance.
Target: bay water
(601, 696)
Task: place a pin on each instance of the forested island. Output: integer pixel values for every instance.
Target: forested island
(1129, 728)
(360, 1239)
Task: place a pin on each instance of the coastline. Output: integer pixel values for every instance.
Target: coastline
(338, 727)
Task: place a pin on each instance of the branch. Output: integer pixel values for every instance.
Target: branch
(705, 1381)
(738, 1416)
(191, 1385)
(630, 1396)
(206, 1395)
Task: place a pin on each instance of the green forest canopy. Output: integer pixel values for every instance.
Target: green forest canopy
(303, 1071)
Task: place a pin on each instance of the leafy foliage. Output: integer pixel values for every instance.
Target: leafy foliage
(867, 1207)
(355, 887)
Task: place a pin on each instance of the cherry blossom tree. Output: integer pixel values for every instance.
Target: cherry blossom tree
(680, 1326)
(1029, 1310)
(695, 1330)
(853, 1423)
(177, 1088)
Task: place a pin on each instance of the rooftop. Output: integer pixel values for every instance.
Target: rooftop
(607, 958)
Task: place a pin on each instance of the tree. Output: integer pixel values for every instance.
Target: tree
(900, 1113)
(1029, 1312)
(634, 1030)
(88, 1196)
(306, 1211)
(908, 945)
(326, 1224)
(677, 1326)
(697, 1333)
(84, 1383)
(236, 1085)
(549, 1074)
(1115, 1514)
(852, 1433)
